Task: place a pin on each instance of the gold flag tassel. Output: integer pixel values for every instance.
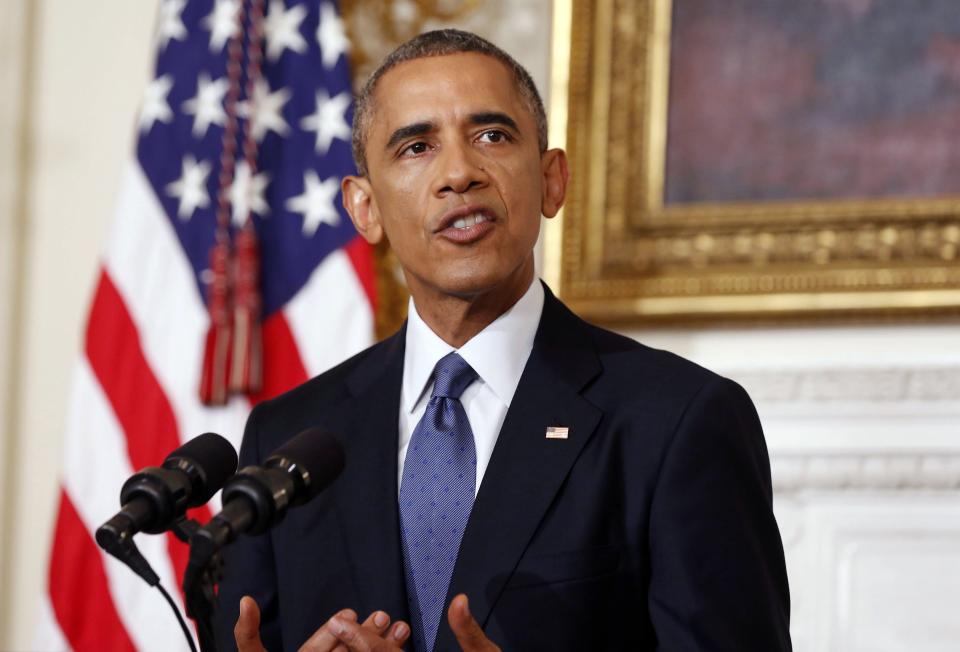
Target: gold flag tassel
(246, 371)
(216, 355)
(246, 368)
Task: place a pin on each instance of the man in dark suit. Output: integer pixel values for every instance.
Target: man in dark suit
(593, 494)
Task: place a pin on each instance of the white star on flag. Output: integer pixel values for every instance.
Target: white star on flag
(155, 105)
(331, 36)
(266, 110)
(190, 188)
(329, 120)
(247, 194)
(316, 202)
(207, 105)
(169, 23)
(282, 29)
(222, 23)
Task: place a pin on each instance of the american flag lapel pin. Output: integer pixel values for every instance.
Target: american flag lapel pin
(558, 432)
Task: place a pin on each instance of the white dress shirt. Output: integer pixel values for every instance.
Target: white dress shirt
(498, 354)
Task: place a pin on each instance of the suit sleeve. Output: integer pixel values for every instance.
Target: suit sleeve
(248, 569)
(718, 578)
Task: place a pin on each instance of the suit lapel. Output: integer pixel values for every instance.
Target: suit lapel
(526, 469)
(368, 499)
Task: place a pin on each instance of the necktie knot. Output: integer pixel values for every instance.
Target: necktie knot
(452, 376)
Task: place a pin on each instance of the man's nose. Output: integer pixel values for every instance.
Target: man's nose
(460, 170)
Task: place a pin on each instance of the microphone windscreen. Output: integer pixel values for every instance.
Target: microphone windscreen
(212, 457)
(314, 451)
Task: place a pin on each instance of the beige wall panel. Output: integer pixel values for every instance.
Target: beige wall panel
(13, 64)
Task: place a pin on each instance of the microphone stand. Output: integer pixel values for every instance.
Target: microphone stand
(205, 566)
(200, 578)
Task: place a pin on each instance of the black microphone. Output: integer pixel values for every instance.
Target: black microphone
(254, 500)
(155, 498)
(257, 498)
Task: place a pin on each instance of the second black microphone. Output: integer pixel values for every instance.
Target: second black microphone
(257, 498)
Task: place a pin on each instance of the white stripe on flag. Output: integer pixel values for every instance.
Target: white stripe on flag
(330, 317)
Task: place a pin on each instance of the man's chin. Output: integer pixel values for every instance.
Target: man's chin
(478, 286)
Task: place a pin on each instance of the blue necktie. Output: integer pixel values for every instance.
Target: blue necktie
(436, 495)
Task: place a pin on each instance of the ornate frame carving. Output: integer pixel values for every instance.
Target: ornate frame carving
(620, 255)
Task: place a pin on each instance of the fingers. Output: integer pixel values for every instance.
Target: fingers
(466, 628)
(399, 633)
(354, 637)
(362, 638)
(323, 639)
(342, 633)
(378, 621)
(247, 630)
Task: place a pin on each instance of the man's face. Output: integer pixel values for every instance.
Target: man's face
(456, 180)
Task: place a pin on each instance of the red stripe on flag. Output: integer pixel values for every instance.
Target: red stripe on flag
(283, 369)
(361, 256)
(142, 409)
(79, 590)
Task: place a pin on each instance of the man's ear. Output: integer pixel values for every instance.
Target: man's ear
(556, 175)
(359, 202)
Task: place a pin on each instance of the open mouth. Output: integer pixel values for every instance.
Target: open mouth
(466, 225)
(470, 220)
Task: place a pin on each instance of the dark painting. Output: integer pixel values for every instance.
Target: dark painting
(813, 100)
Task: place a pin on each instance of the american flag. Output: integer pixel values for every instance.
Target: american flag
(135, 392)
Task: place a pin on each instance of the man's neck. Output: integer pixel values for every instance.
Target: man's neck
(456, 319)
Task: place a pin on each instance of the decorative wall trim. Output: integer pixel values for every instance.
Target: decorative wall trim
(852, 384)
(891, 471)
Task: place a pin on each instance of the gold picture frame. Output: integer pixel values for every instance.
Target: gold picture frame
(620, 254)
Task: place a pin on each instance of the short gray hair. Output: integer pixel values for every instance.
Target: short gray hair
(434, 44)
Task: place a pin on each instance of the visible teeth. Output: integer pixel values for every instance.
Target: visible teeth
(469, 220)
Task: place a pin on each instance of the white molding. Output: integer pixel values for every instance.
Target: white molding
(851, 384)
(880, 470)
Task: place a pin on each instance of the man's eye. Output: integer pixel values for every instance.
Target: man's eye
(414, 149)
(494, 136)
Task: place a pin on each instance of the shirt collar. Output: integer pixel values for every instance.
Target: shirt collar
(498, 353)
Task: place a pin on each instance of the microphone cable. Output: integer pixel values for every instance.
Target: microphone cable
(128, 553)
(176, 612)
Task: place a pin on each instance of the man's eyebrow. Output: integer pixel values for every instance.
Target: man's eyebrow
(415, 129)
(493, 118)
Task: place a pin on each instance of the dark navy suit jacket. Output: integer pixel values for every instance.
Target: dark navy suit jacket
(649, 528)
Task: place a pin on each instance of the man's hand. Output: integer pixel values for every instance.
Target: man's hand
(343, 633)
(375, 633)
(357, 638)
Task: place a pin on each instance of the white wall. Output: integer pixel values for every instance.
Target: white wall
(863, 422)
(88, 63)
